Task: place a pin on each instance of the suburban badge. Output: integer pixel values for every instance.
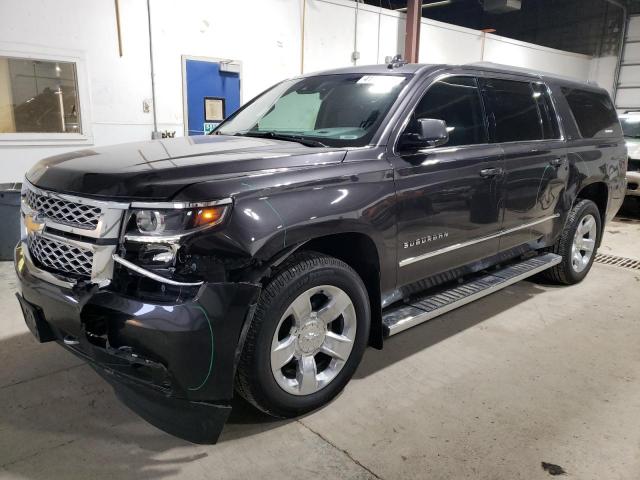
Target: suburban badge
(425, 239)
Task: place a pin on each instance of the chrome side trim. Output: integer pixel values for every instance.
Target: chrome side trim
(151, 275)
(180, 205)
(173, 239)
(450, 248)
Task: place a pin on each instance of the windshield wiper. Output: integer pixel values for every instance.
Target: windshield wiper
(282, 136)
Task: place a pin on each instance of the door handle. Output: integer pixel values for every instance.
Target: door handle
(556, 162)
(491, 172)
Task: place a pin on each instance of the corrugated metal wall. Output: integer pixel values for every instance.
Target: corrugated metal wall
(628, 90)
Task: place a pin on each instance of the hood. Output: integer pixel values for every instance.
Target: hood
(159, 169)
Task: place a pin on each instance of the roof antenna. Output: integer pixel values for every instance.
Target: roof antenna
(396, 62)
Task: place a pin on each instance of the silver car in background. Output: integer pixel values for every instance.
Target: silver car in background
(630, 122)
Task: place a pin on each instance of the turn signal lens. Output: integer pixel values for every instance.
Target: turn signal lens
(208, 216)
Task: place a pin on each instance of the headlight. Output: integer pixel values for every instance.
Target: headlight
(166, 225)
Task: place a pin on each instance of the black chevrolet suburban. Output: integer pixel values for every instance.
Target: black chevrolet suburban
(330, 212)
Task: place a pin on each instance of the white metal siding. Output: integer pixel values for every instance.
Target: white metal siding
(628, 89)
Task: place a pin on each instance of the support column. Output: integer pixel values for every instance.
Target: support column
(412, 33)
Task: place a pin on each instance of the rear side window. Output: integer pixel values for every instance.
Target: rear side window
(456, 100)
(594, 113)
(513, 110)
(548, 116)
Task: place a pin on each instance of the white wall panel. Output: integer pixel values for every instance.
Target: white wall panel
(444, 43)
(266, 41)
(628, 99)
(329, 35)
(632, 52)
(392, 29)
(367, 35)
(511, 52)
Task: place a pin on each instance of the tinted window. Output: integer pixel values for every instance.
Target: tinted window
(513, 111)
(547, 113)
(594, 113)
(456, 100)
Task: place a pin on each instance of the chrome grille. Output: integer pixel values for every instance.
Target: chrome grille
(63, 211)
(60, 256)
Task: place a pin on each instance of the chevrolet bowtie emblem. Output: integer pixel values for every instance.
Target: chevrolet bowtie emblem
(33, 223)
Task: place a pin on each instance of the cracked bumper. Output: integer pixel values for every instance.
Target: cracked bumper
(173, 364)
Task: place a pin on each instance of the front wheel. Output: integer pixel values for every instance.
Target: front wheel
(308, 334)
(578, 244)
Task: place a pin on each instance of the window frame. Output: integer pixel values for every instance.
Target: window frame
(530, 81)
(30, 52)
(420, 92)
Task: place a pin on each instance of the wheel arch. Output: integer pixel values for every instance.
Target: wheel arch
(598, 193)
(358, 251)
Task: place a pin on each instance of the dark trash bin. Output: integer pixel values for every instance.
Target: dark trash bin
(9, 219)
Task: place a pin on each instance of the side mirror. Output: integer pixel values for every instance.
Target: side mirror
(431, 132)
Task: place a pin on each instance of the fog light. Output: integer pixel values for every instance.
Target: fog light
(158, 255)
(164, 257)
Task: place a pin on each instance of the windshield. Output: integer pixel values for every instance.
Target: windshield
(333, 110)
(631, 126)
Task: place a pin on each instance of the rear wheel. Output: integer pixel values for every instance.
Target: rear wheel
(307, 336)
(577, 244)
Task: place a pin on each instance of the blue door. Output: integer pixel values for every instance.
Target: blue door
(212, 95)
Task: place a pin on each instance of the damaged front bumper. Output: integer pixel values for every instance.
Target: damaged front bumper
(172, 363)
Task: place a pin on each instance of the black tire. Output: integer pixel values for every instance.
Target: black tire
(564, 272)
(303, 271)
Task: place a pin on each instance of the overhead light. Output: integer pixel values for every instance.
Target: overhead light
(440, 3)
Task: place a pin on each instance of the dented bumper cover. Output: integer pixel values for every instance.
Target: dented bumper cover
(173, 364)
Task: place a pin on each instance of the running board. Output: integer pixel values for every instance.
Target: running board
(430, 306)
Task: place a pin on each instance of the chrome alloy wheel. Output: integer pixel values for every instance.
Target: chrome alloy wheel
(313, 340)
(584, 243)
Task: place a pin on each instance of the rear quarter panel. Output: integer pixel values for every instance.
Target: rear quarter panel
(590, 160)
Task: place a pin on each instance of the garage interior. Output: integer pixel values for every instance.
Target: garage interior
(530, 382)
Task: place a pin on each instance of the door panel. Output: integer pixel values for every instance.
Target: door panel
(523, 123)
(536, 175)
(449, 198)
(445, 208)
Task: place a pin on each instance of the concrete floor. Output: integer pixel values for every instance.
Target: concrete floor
(528, 375)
